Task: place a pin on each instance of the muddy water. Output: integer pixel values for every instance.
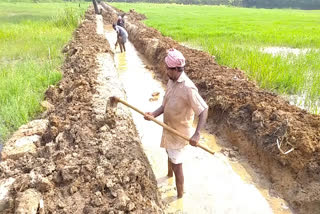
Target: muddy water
(213, 183)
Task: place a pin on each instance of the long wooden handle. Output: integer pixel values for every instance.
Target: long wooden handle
(165, 126)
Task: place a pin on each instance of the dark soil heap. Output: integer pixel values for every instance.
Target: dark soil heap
(249, 117)
(83, 163)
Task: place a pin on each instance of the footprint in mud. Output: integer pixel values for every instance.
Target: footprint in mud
(170, 199)
(155, 96)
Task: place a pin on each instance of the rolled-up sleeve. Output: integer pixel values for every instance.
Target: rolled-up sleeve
(196, 102)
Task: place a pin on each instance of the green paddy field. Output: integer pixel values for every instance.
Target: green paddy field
(32, 36)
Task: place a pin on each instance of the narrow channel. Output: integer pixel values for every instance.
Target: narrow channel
(213, 183)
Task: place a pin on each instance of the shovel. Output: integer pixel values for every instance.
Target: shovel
(114, 101)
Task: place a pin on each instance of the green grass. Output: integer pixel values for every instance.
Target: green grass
(236, 35)
(31, 38)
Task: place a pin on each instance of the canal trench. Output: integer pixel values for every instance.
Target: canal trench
(213, 183)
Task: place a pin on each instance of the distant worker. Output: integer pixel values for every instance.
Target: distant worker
(180, 103)
(120, 21)
(122, 37)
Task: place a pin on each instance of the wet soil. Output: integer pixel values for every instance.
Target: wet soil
(252, 119)
(88, 160)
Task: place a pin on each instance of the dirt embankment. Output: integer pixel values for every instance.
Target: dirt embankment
(249, 117)
(80, 159)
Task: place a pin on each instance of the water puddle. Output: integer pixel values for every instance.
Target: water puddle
(192, 46)
(303, 102)
(284, 51)
(213, 184)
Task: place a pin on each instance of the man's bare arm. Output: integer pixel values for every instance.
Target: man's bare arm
(202, 120)
(158, 112)
(154, 114)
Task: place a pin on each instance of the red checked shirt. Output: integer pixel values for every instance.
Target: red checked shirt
(181, 102)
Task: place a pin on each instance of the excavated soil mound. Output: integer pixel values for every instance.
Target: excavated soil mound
(250, 118)
(136, 16)
(82, 162)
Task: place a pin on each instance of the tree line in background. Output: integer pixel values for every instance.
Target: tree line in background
(295, 4)
(301, 4)
(298, 4)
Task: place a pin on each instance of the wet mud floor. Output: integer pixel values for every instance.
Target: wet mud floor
(213, 183)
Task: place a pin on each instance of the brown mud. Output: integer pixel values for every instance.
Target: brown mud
(252, 119)
(80, 161)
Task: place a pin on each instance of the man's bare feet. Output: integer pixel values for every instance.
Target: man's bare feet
(180, 190)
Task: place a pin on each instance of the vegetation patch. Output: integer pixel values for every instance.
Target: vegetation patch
(31, 38)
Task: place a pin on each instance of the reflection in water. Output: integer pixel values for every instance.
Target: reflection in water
(211, 183)
(122, 62)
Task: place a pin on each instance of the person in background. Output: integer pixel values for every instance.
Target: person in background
(180, 103)
(120, 21)
(122, 37)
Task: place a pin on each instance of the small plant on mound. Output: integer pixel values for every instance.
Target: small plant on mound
(68, 17)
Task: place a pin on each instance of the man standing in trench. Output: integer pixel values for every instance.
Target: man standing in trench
(122, 37)
(180, 103)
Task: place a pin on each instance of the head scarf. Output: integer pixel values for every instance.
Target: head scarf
(175, 59)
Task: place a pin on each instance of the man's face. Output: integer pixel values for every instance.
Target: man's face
(171, 73)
